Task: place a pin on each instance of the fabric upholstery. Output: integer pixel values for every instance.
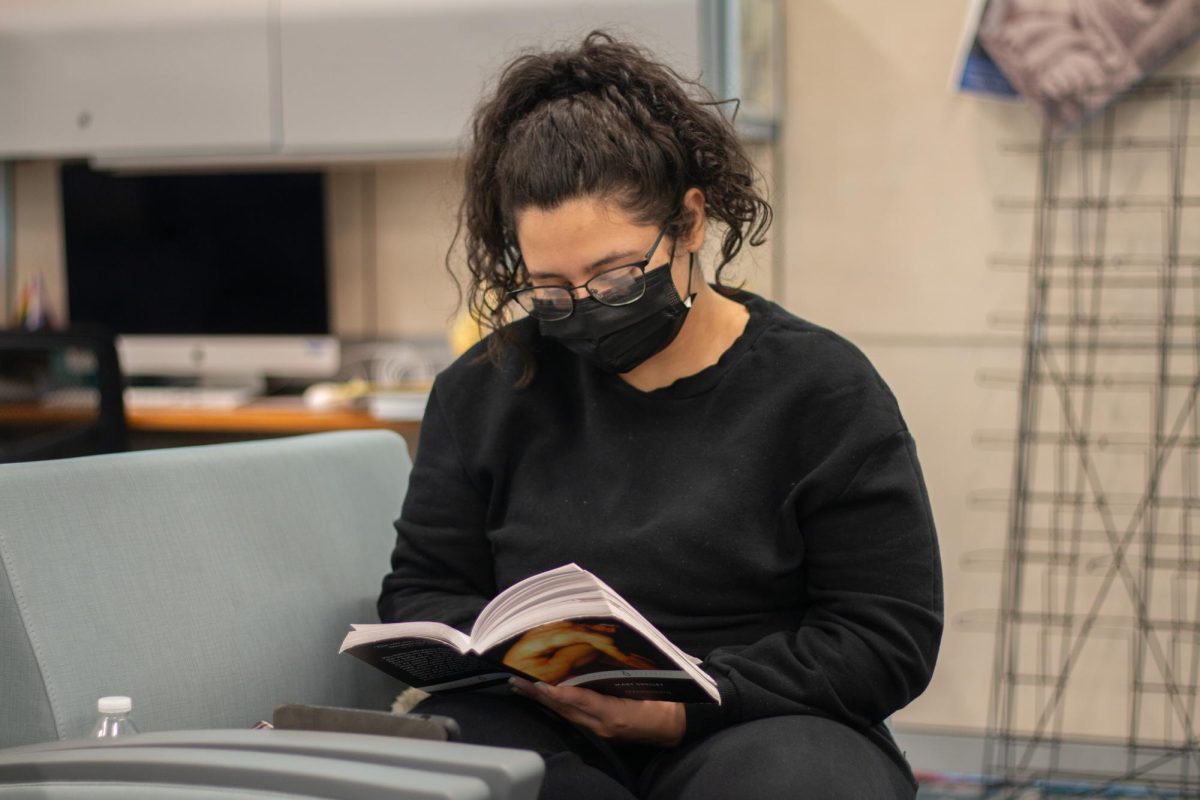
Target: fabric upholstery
(227, 772)
(208, 583)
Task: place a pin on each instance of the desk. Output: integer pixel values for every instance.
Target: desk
(165, 427)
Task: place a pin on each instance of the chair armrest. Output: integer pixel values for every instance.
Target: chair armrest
(195, 770)
(505, 774)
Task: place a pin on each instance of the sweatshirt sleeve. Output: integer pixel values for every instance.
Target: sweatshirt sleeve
(442, 562)
(869, 639)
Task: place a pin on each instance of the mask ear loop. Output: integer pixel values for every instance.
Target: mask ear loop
(687, 301)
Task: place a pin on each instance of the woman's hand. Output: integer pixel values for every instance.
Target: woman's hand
(655, 722)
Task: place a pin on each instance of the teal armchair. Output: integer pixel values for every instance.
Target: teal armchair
(210, 584)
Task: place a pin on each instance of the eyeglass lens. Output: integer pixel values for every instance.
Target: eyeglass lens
(615, 287)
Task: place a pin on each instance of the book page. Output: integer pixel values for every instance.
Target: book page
(568, 581)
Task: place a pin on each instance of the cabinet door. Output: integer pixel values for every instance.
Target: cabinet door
(136, 77)
(378, 76)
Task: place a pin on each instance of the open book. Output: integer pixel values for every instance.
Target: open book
(562, 627)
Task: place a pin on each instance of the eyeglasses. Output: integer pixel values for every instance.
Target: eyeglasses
(618, 286)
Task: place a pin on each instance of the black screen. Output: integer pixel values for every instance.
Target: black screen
(206, 253)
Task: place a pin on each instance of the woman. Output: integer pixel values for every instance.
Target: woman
(743, 477)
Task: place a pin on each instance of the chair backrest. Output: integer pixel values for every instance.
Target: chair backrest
(60, 394)
(208, 583)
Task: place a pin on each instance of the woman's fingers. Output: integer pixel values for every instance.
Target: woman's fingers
(581, 706)
(650, 722)
(593, 703)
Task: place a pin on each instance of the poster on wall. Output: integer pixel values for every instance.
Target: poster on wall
(974, 70)
(1071, 58)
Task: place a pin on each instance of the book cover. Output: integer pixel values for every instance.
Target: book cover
(563, 627)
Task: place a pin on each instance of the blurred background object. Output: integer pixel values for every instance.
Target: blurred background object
(1069, 60)
(60, 395)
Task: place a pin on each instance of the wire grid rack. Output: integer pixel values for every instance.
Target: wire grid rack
(1094, 688)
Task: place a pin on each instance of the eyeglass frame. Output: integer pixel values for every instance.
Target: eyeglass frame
(570, 290)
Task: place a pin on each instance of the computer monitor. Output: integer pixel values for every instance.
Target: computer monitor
(215, 276)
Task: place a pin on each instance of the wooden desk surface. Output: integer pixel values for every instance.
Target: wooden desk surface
(272, 415)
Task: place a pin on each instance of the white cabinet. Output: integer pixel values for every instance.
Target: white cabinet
(151, 77)
(402, 77)
(250, 80)
(376, 76)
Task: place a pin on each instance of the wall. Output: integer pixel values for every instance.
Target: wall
(891, 182)
(6, 222)
(390, 226)
(37, 233)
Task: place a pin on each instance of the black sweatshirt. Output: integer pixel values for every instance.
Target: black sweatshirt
(768, 514)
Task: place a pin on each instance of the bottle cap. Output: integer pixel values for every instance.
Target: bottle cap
(114, 705)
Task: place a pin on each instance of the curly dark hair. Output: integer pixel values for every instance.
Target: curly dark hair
(601, 119)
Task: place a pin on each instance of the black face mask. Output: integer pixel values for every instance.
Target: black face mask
(619, 338)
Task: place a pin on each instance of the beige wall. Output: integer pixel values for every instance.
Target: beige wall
(37, 227)
(390, 227)
(889, 181)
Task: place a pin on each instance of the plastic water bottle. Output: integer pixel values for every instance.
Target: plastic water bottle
(114, 717)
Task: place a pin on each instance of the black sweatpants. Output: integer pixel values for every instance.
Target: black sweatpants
(801, 757)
